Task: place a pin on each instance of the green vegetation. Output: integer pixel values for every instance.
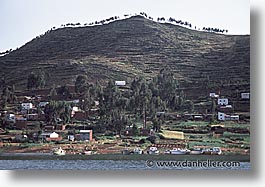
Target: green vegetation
(36, 80)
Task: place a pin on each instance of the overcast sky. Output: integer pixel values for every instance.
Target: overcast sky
(23, 20)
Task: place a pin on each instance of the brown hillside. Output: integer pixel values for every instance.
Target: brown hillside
(127, 48)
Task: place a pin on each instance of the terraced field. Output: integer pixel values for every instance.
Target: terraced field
(124, 49)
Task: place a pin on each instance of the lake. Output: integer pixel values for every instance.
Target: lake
(102, 165)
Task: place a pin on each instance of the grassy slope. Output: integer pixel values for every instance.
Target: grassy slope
(128, 48)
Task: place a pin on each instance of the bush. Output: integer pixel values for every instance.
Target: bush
(152, 139)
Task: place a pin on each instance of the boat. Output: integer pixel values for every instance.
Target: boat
(59, 151)
(153, 151)
(178, 151)
(126, 152)
(207, 151)
(212, 151)
(196, 151)
(167, 152)
(216, 151)
(87, 152)
(138, 151)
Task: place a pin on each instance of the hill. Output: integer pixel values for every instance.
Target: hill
(127, 48)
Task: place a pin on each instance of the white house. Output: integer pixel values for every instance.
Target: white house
(71, 137)
(226, 107)
(43, 103)
(10, 117)
(120, 83)
(74, 109)
(54, 135)
(226, 117)
(223, 101)
(84, 135)
(214, 95)
(26, 106)
(245, 95)
(232, 117)
(221, 116)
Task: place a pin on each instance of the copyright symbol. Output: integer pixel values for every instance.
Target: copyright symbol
(150, 163)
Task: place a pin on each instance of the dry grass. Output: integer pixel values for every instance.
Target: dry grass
(172, 134)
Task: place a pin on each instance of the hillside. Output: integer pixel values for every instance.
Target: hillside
(128, 48)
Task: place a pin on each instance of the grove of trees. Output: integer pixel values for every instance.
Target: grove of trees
(141, 100)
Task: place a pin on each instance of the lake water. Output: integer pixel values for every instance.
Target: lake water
(99, 165)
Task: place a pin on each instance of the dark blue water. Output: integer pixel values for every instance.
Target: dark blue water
(97, 165)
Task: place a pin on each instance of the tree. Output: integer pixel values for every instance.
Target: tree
(81, 84)
(213, 108)
(118, 121)
(53, 93)
(36, 80)
(86, 102)
(156, 124)
(190, 106)
(4, 102)
(135, 130)
(8, 95)
(55, 110)
(65, 115)
(64, 92)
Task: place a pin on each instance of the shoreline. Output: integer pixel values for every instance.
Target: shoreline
(117, 157)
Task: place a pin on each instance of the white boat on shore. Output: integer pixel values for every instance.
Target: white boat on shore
(137, 151)
(153, 151)
(216, 151)
(87, 152)
(196, 151)
(178, 151)
(212, 151)
(167, 152)
(59, 151)
(126, 152)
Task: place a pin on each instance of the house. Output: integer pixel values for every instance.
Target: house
(226, 117)
(48, 128)
(26, 106)
(21, 124)
(71, 138)
(245, 95)
(51, 136)
(74, 109)
(75, 101)
(10, 118)
(21, 137)
(217, 130)
(20, 117)
(232, 117)
(32, 117)
(225, 108)
(221, 116)
(96, 103)
(223, 101)
(84, 135)
(80, 115)
(198, 117)
(43, 103)
(120, 83)
(60, 127)
(213, 95)
(54, 135)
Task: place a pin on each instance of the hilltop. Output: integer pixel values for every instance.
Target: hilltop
(127, 48)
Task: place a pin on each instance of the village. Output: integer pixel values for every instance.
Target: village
(30, 125)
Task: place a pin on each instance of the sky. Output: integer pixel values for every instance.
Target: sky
(23, 20)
